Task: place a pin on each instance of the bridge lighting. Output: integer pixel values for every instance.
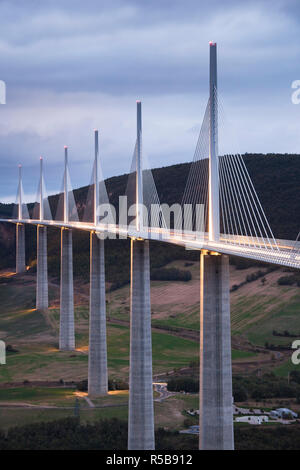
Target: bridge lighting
(213, 214)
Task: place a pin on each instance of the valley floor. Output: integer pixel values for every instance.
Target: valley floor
(38, 383)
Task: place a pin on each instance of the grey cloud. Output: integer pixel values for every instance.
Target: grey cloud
(71, 66)
(129, 47)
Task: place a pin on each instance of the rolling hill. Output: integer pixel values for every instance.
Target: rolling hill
(276, 179)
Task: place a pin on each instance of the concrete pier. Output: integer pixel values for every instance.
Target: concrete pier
(20, 248)
(97, 373)
(215, 409)
(66, 331)
(141, 414)
(42, 269)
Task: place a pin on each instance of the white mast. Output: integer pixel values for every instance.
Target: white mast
(214, 210)
(41, 190)
(96, 179)
(139, 169)
(66, 189)
(20, 202)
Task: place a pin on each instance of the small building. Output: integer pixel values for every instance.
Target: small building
(191, 430)
(283, 413)
(252, 419)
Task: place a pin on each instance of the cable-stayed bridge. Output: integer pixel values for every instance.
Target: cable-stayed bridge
(220, 214)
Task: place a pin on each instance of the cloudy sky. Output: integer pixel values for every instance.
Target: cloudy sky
(72, 66)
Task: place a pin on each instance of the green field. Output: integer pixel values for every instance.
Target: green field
(36, 394)
(188, 320)
(10, 417)
(237, 354)
(256, 309)
(284, 316)
(255, 314)
(35, 337)
(285, 368)
(168, 352)
(170, 413)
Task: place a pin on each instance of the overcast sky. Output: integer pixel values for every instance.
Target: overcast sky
(72, 66)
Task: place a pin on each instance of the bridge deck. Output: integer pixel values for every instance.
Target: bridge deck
(279, 252)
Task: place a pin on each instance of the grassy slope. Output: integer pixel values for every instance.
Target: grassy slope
(256, 311)
(35, 335)
(168, 414)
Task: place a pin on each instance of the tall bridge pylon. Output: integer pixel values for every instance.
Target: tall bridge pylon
(141, 409)
(97, 366)
(215, 387)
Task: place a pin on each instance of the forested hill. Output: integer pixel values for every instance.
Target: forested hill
(276, 178)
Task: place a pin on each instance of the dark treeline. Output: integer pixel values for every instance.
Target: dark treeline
(260, 274)
(171, 274)
(113, 384)
(273, 438)
(245, 388)
(267, 386)
(183, 384)
(290, 280)
(69, 434)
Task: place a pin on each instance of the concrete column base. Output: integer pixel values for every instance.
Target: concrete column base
(141, 414)
(20, 248)
(42, 269)
(67, 330)
(215, 409)
(97, 375)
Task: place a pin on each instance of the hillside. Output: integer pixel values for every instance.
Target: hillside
(38, 382)
(276, 179)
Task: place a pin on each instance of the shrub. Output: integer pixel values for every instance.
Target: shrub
(170, 274)
(10, 349)
(183, 384)
(239, 393)
(286, 281)
(113, 384)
